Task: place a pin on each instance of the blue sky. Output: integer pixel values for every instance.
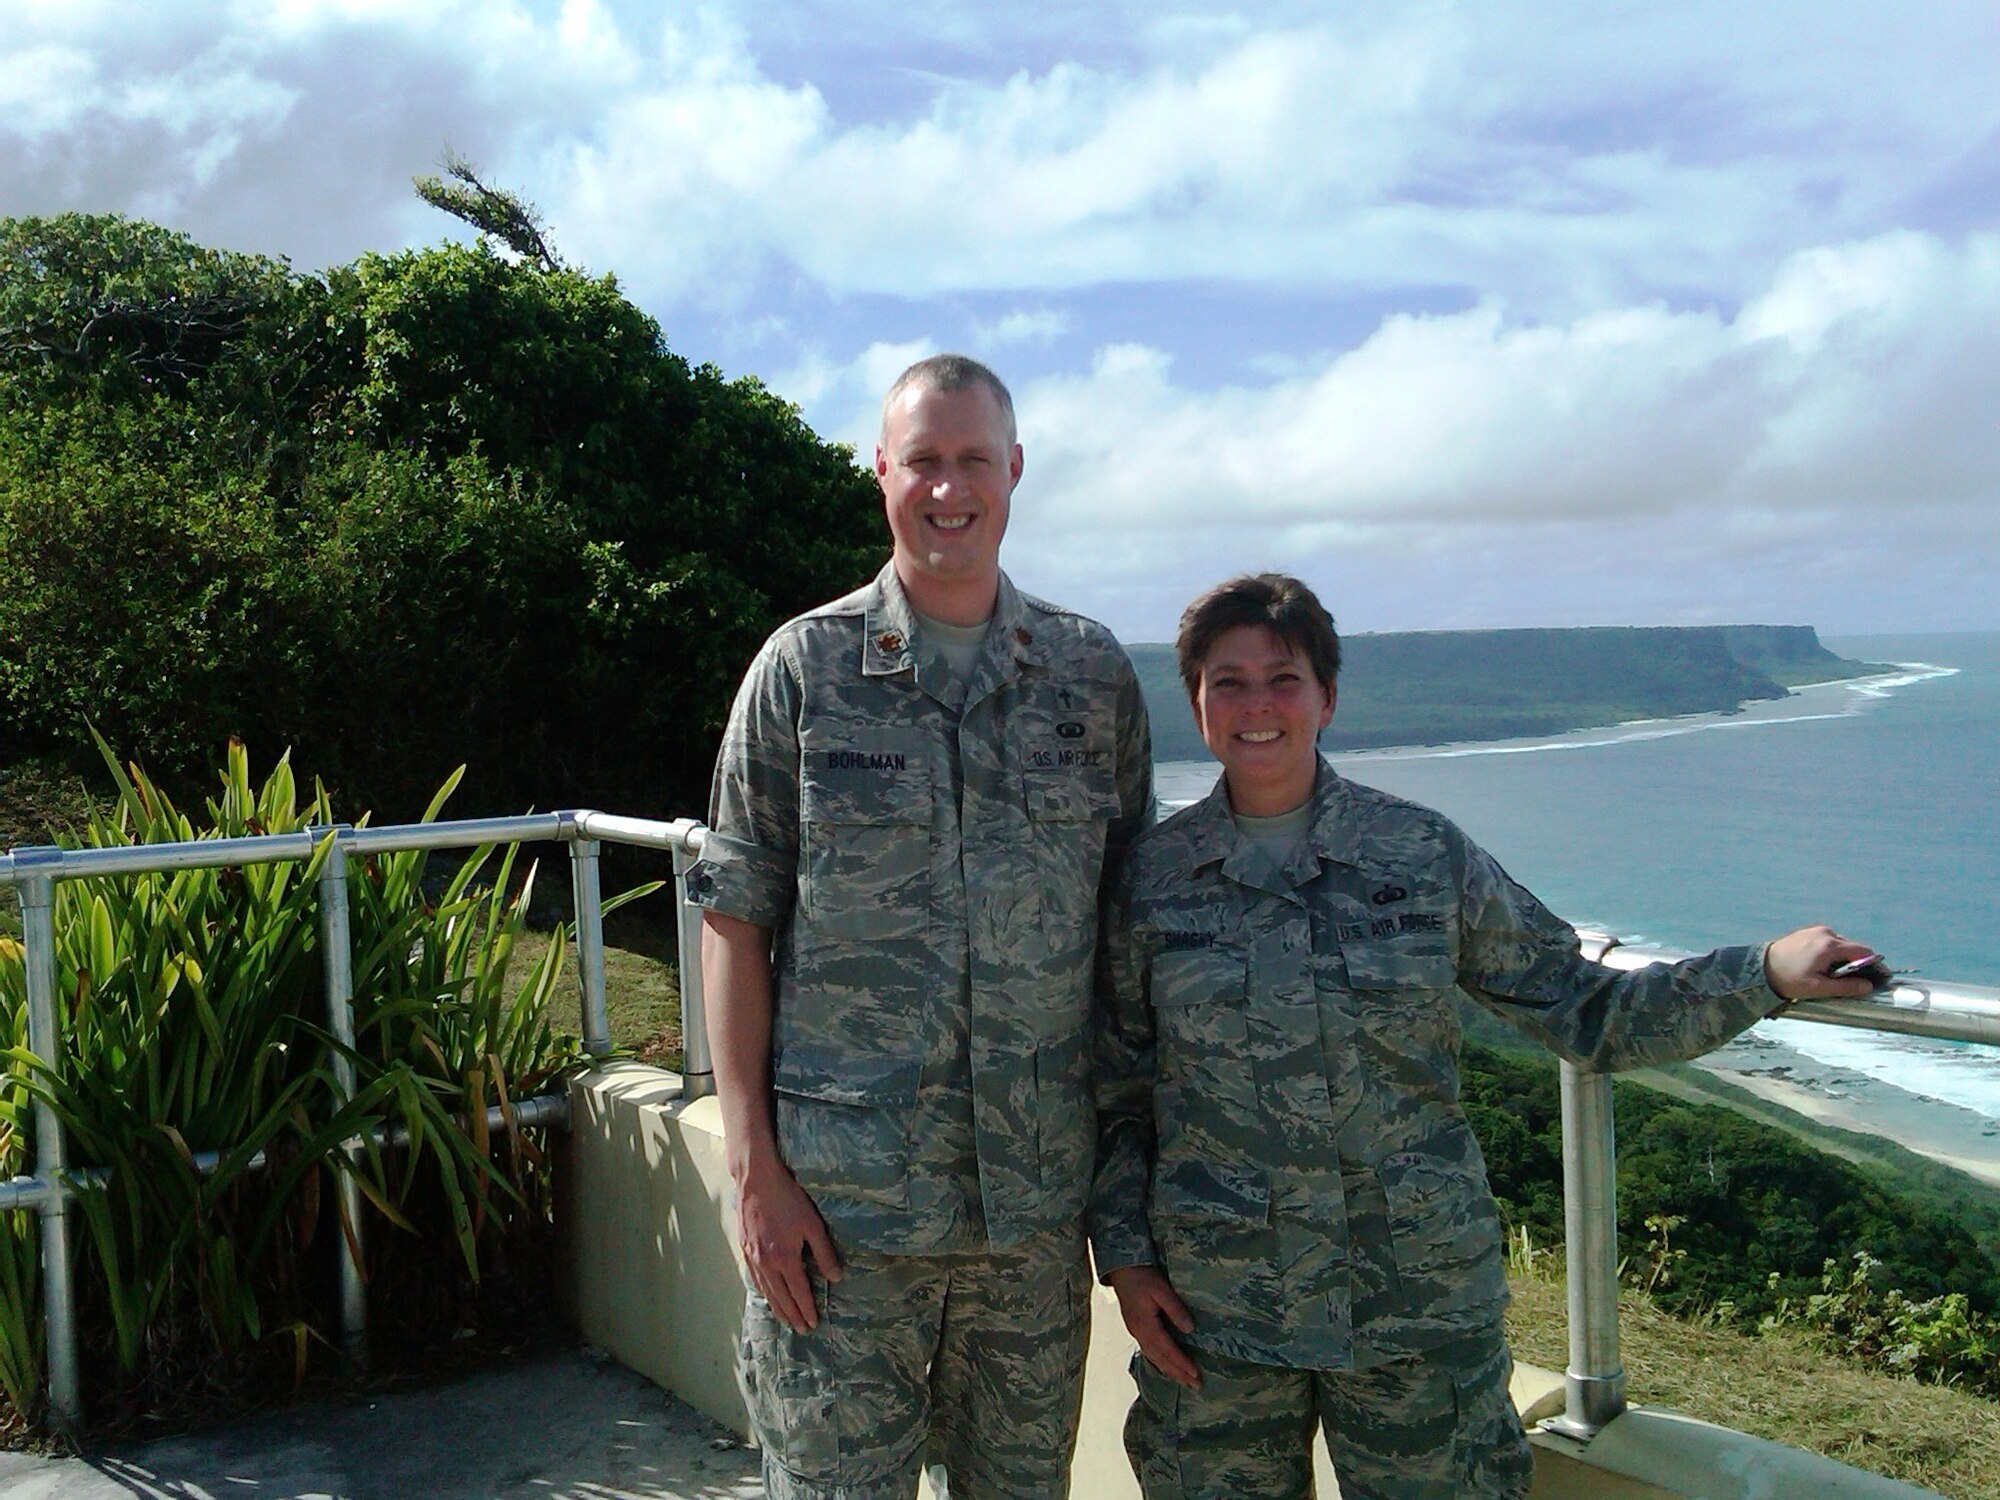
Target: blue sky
(1474, 314)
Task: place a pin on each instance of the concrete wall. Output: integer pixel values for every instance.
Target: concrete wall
(654, 1279)
(656, 1285)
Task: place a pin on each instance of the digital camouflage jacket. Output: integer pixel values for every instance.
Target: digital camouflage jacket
(931, 877)
(1278, 1113)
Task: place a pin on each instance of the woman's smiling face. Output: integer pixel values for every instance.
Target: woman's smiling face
(1260, 708)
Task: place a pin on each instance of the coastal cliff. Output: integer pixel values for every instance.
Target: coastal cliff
(1443, 686)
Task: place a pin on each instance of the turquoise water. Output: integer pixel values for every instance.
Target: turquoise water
(1870, 806)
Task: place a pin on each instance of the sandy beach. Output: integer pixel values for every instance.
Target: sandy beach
(1848, 1100)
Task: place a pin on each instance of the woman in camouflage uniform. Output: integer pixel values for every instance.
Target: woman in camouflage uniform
(1290, 1204)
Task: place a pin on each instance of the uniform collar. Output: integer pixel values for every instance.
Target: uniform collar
(1336, 830)
(1331, 835)
(889, 627)
(1217, 840)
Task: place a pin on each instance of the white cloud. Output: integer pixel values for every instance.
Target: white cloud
(1717, 297)
(1572, 164)
(292, 129)
(1564, 156)
(1844, 415)
(845, 397)
(1024, 325)
(44, 89)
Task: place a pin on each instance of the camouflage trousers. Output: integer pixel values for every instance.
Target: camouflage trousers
(1438, 1428)
(969, 1362)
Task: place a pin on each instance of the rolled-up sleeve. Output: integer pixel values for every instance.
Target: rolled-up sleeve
(749, 858)
(1521, 961)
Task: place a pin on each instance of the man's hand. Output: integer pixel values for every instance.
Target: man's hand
(778, 1227)
(1148, 1303)
(776, 1223)
(1800, 965)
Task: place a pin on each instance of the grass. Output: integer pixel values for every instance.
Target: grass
(40, 800)
(1779, 1385)
(642, 991)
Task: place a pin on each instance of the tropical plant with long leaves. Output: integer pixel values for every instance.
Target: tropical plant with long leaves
(20, 1239)
(196, 1081)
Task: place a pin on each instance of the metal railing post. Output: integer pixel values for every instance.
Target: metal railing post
(38, 943)
(1594, 1384)
(337, 958)
(585, 883)
(697, 1068)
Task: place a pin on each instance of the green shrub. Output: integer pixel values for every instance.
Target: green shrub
(1938, 1339)
(20, 1233)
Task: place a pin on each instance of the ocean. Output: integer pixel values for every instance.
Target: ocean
(1869, 805)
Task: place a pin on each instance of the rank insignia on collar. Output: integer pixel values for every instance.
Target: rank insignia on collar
(888, 640)
(1021, 635)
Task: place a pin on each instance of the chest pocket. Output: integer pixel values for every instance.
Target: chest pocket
(1069, 792)
(1206, 1104)
(866, 804)
(1400, 992)
(1067, 741)
(1399, 963)
(1199, 997)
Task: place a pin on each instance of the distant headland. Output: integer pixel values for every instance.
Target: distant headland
(1438, 687)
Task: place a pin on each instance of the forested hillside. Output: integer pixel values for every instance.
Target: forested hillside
(1757, 1212)
(1440, 687)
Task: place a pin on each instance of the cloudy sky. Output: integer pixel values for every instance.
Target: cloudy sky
(1475, 314)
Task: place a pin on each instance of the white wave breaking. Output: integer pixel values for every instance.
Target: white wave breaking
(1862, 693)
(1966, 1076)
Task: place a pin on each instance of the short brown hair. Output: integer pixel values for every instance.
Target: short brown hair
(952, 372)
(1277, 602)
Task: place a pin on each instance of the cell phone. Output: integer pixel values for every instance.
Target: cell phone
(1869, 966)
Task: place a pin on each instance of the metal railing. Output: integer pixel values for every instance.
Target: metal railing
(1594, 1383)
(34, 872)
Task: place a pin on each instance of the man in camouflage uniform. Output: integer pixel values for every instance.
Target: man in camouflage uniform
(1290, 1203)
(917, 796)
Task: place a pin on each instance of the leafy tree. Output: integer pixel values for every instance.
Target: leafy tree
(430, 508)
(510, 219)
(101, 298)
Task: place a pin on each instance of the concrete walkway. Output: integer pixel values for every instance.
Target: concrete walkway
(572, 1427)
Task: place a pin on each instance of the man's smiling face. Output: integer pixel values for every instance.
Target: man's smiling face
(947, 465)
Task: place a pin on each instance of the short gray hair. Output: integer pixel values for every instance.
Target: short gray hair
(951, 372)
